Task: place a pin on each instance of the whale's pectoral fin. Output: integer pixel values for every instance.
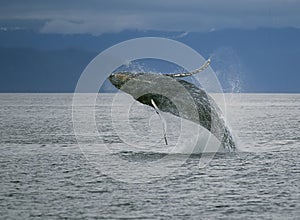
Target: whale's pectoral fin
(163, 122)
(200, 69)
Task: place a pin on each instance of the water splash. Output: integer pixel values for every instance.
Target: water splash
(228, 68)
(133, 66)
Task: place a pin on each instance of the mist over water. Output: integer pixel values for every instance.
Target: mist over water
(44, 173)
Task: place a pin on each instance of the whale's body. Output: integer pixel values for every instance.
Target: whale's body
(170, 92)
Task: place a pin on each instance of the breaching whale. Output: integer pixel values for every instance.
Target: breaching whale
(159, 91)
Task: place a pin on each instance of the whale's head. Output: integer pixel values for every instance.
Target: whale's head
(140, 84)
(132, 82)
(121, 78)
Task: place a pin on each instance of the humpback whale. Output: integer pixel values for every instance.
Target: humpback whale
(159, 92)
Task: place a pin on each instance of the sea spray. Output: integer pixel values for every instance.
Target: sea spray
(228, 68)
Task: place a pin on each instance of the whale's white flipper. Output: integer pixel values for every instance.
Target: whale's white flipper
(201, 68)
(163, 122)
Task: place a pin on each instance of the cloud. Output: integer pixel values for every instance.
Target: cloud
(96, 25)
(97, 16)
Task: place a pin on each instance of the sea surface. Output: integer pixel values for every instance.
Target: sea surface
(58, 162)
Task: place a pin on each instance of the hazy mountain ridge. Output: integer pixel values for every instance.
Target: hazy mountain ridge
(265, 60)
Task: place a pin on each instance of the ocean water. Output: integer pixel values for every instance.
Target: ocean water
(51, 169)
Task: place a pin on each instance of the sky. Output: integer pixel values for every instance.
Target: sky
(105, 16)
